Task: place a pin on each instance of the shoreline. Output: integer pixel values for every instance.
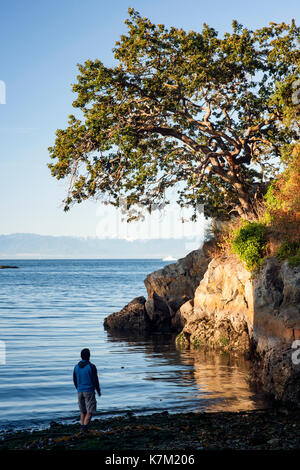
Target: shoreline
(270, 429)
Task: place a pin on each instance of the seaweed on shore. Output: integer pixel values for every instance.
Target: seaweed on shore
(257, 430)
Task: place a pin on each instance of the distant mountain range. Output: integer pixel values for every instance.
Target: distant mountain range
(33, 246)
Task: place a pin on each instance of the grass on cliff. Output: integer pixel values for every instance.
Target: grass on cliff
(275, 230)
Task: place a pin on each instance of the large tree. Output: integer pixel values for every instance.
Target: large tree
(190, 109)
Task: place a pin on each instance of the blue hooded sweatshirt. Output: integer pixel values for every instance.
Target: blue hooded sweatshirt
(85, 377)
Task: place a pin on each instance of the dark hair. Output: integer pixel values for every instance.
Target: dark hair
(85, 354)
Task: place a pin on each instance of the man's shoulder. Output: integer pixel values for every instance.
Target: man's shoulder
(94, 369)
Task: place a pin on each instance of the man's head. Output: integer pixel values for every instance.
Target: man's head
(85, 354)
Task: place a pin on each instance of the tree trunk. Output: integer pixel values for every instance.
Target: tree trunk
(243, 196)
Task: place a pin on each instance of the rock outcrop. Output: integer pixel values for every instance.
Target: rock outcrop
(170, 287)
(217, 303)
(132, 317)
(276, 329)
(222, 314)
(8, 267)
(167, 289)
(257, 315)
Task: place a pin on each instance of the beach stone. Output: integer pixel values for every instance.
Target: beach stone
(257, 439)
(274, 441)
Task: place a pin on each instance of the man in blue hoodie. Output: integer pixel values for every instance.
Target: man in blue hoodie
(86, 381)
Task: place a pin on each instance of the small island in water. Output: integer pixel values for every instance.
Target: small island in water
(8, 267)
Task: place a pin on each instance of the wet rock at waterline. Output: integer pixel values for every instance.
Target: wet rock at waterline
(132, 317)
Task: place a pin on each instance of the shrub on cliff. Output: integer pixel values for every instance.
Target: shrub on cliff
(249, 243)
(289, 251)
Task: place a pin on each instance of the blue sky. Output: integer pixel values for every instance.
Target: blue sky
(41, 43)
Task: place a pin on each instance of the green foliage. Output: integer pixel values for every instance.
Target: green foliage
(289, 251)
(249, 243)
(272, 202)
(294, 261)
(287, 96)
(185, 109)
(197, 343)
(224, 341)
(181, 341)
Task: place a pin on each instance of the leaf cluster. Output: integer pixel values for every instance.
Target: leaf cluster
(183, 109)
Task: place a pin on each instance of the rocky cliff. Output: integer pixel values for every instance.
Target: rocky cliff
(221, 313)
(257, 315)
(217, 303)
(167, 290)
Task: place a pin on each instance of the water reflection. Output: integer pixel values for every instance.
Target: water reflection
(200, 380)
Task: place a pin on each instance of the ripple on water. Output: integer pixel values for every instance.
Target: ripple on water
(51, 309)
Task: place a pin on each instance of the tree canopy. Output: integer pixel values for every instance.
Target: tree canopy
(184, 109)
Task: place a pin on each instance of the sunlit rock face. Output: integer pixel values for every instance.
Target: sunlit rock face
(222, 315)
(216, 303)
(257, 315)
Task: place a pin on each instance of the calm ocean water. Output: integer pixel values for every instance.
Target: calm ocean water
(51, 309)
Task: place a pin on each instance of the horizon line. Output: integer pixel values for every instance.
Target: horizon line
(79, 259)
